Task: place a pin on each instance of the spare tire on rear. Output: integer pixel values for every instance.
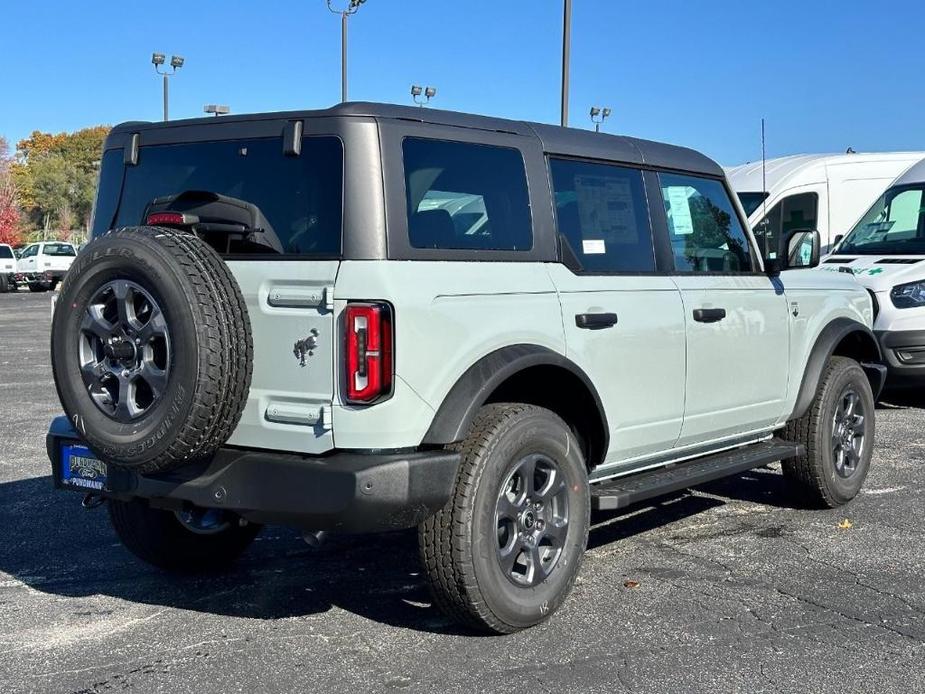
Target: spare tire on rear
(151, 348)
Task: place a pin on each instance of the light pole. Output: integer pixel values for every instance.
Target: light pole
(217, 109)
(598, 115)
(566, 50)
(351, 8)
(428, 92)
(176, 62)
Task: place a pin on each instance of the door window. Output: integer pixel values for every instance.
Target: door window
(705, 232)
(467, 196)
(30, 251)
(601, 212)
(793, 212)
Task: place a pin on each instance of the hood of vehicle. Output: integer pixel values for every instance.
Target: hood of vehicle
(879, 272)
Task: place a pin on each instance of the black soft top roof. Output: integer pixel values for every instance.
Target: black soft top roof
(555, 139)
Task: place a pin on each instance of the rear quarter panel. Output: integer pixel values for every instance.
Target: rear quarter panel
(448, 315)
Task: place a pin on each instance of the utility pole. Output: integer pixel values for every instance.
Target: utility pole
(566, 49)
(351, 8)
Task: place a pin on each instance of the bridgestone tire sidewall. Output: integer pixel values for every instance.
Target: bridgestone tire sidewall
(516, 605)
(141, 261)
(844, 489)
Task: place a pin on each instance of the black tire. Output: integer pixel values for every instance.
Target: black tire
(816, 478)
(4, 284)
(159, 538)
(37, 287)
(460, 544)
(202, 394)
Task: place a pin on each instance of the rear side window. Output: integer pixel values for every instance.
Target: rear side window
(300, 197)
(466, 196)
(601, 211)
(6, 252)
(705, 232)
(59, 249)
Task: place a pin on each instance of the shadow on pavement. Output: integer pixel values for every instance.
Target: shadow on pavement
(56, 547)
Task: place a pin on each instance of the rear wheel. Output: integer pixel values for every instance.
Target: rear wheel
(504, 552)
(838, 433)
(192, 540)
(37, 287)
(4, 284)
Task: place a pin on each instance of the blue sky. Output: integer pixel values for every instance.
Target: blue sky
(825, 75)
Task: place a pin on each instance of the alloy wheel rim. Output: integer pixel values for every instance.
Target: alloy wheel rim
(531, 518)
(848, 432)
(125, 350)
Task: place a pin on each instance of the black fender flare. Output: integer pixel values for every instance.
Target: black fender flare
(826, 343)
(472, 389)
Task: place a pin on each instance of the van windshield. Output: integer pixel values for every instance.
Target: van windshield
(300, 197)
(895, 225)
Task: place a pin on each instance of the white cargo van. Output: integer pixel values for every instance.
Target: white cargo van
(886, 253)
(828, 192)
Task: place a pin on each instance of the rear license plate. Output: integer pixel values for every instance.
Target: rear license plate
(80, 469)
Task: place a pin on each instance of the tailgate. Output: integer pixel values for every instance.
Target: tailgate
(291, 312)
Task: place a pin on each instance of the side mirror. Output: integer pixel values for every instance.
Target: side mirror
(804, 247)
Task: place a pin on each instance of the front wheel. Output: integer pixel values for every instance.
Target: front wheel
(838, 433)
(37, 287)
(190, 541)
(503, 554)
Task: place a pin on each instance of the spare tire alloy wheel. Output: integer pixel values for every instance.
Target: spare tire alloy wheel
(151, 348)
(124, 350)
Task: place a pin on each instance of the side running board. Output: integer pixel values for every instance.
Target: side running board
(623, 491)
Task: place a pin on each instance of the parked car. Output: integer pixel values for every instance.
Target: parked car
(827, 192)
(7, 268)
(287, 325)
(43, 265)
(886, 253)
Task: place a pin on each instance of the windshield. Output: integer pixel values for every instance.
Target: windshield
(300, 197)
(59, 249)
(6, 252)
(895, 225)
(751, 201)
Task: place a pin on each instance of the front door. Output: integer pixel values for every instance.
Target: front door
(624, 322)
(736, 317)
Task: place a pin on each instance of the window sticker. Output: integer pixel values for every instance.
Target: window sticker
(605, 207)
(593, 246)
(679, 209)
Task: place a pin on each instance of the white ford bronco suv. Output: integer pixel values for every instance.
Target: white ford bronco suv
(374, 317)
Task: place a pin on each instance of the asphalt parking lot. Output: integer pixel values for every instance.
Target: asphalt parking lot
(737, 590)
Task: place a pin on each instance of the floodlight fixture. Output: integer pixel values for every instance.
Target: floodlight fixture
(157, 59)
(428, 93)
(598, 115)
(176, 61)
(217, 109)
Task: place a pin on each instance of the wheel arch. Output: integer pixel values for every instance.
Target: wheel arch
(530, 374)
(843, 337)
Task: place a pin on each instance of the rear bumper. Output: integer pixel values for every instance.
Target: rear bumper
(349, 492)
(46, 277)
(904, 353)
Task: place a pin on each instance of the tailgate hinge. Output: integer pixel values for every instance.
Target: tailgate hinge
(328, 298)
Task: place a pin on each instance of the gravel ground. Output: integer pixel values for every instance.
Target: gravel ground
(737, 591)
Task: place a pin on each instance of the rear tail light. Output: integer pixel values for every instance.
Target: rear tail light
(369, 354)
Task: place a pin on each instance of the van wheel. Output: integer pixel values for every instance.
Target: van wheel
(838, 433)
(189, 541)
(503, 554)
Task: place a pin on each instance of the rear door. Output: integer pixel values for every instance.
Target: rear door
(289, 292)
(624, 321)
(737, 319)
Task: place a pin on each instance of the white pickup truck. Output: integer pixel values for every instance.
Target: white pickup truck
(7, 268)
(42, 265)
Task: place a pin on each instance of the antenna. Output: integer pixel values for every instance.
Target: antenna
(764, 190)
